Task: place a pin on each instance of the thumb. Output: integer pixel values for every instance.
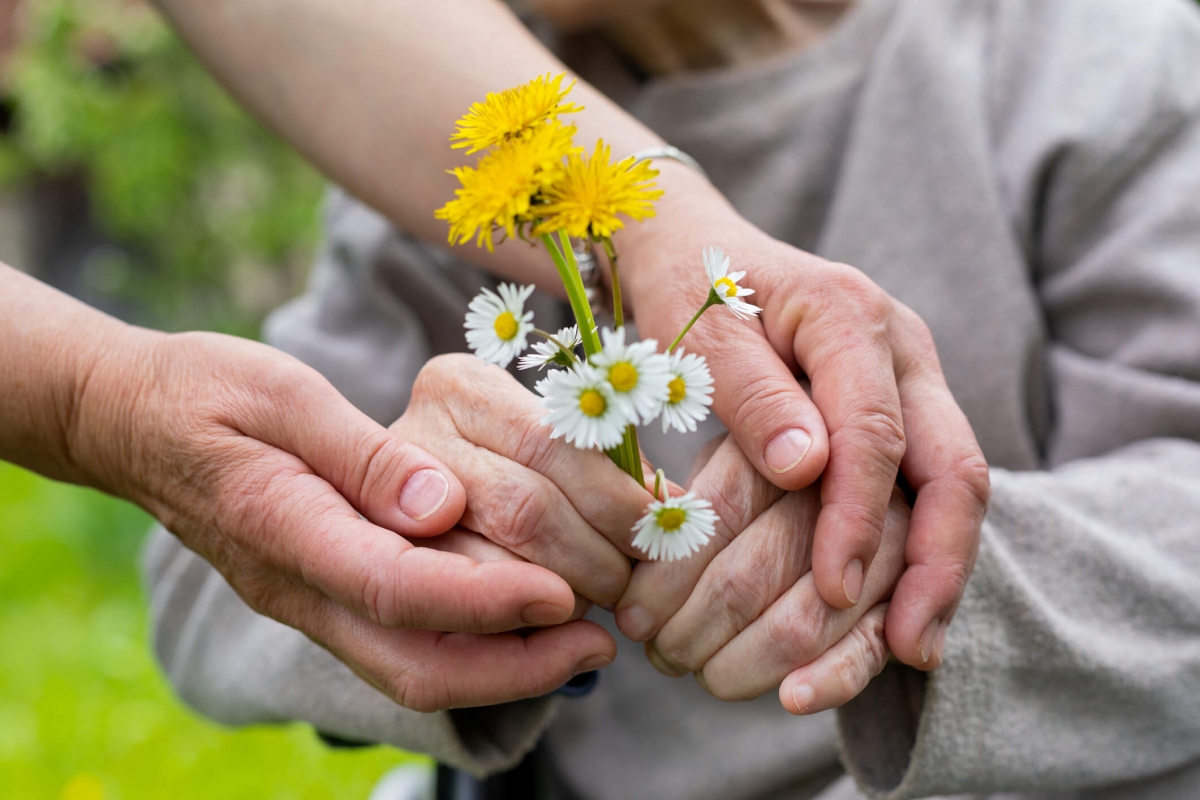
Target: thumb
(393, 483)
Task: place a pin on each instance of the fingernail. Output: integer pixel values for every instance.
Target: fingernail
(929, 640)
(703, 683)
(423, 493)
(541, 612)
(788, 449)
(852, 581)
(803, 697)
(660, 663)
(636, 623)
(598, 661)
(939, 647)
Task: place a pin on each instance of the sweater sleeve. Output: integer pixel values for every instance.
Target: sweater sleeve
(241, 668)
(1074, 659)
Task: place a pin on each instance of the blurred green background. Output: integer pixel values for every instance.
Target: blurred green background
(128, 178)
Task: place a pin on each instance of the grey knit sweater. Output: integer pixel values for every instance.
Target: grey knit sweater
(1025, 174)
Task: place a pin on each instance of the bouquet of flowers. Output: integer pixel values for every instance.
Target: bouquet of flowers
(533, 183)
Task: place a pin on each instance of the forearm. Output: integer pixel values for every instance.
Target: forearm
(50, 344)
(370, 91)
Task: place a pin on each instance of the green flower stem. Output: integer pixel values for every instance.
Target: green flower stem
(634, 455)
(568, 271)
(709, 303)
(552, 339)
(618, 308)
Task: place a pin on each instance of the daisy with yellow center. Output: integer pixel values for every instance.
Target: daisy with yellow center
(725, 289)
(675, 527)
(498, 326)
(583, 408)
(497, 193)
(558, 350)
(637, 372)
(592, 192)
(689, 392)
(513, 113)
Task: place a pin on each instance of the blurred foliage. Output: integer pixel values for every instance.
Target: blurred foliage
(215, 216)
(84, 712)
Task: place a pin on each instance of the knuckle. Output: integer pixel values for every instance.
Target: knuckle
(876, 430)
(675, 653)
(798, 631)
(724, 690)
(862, 522)
(729, 505)
(742, 593)
(415, 689)
(531, 443)
(440, 374)
(866, 296)
(972, 469)
(916, 329)
(863, 656)
(380, 594)
(522, 520)
(763, 396)
(381, 457)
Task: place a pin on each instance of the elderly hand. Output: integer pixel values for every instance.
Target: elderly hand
(744, 614)
(258, 464)
(880, 406)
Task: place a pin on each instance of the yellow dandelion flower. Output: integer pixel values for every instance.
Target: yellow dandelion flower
(497, 193)
(513, 113)
(591, 193)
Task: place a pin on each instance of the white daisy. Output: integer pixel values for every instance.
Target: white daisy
(583, 408)
(689, 392)
(675, 528)
(547, 352)
(724, 284)
(637, 372)
(498, 326)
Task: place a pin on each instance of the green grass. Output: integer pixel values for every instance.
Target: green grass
(85, 713)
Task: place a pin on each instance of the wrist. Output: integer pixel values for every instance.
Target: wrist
(690, 203)
(103, 435)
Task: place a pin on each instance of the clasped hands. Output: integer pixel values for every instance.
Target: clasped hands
(448, 560)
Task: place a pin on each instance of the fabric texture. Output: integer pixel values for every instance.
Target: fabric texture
(1025, 174)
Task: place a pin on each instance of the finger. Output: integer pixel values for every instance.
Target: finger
(429, 671)
(799, 626)
(296, 521)
(777, 425)
(658, 589)
(492, 410)
(763, 562)
(477, 547)
(394, 484)
(839, 329)
(949, 474)
(523, 511)
(839, 674)
(474, 546)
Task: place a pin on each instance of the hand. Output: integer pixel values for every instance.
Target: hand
(258, 464)
(571, 511)
(880, 405)
(744, 615)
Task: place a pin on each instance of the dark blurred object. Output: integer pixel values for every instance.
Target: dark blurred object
(147, 191)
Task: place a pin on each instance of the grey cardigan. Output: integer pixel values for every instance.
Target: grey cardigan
(1025, 174)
